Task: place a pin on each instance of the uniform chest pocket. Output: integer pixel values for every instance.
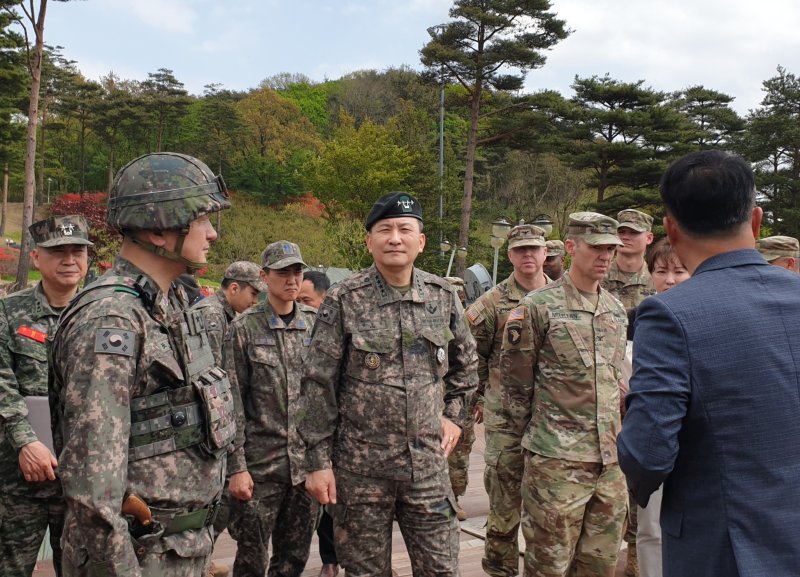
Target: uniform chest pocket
(27, 347)
(163, 369)
(569, 344)
(438, 340)
(368, 358)
(30, 360)
(265, 353)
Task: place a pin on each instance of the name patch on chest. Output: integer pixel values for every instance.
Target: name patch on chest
(32, 334)
(565, 316)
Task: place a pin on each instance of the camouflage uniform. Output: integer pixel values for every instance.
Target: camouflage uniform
(121, 358)
(502, 476)
(217, 314)
(382, 369)
(560, 365)
(263, 356)
(629, 288)
(26, 509)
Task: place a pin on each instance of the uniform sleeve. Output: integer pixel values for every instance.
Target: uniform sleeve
(481, 318)
(658, 400)
(319, 410)
(461, 379)
(523, 335)
(94, 391)
(13, 411)
(237, 364)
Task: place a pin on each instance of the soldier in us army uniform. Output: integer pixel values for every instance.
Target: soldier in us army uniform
(142, 416)
(263, 354)
(628, 278)
(554, 262)
(783, 251)
(386, 383)
(503, 455)
(30, 496)
(560, 363)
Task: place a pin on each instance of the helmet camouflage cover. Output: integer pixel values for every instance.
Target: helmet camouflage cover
(164, 191)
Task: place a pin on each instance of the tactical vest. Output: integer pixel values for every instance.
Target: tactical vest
(200, 412)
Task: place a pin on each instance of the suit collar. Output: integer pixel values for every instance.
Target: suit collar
(742, 257)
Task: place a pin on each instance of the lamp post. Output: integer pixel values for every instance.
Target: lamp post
(500, 229)
(49, 181)
(544, 222)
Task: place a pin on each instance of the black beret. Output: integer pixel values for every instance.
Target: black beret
(394, 205)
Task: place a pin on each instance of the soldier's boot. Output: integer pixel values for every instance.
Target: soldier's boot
(460, 513)
(632, 563)
(218, 570)
(329, 570)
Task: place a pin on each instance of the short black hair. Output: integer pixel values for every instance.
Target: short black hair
(319, 279)
(709, 193)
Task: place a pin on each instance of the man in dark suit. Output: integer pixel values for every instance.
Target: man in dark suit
(714, 406)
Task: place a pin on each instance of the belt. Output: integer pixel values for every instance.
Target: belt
(194, 519)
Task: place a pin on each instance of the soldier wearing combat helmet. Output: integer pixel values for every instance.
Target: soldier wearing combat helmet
(30, 497)
(560, 366)
(142, 416)
(386, 380)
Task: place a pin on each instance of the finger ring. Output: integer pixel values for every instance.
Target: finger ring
(450, 439)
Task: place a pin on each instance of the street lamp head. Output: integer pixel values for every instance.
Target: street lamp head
(462, 251)
(544, 222)
(500, 228)
(445, 245)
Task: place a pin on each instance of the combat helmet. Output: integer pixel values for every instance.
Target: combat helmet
(164, 191)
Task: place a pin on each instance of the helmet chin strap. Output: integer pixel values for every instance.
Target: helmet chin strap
(173, 255)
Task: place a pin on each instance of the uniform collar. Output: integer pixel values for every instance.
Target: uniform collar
(40, 307)
(576, 301)
(226, 306)
(386, 294)
(276, 322)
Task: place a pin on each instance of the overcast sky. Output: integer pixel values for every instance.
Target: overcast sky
(727, 45)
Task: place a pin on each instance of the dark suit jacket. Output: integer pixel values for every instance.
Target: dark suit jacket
(714, 413)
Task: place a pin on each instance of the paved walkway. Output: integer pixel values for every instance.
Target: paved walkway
(475, 503)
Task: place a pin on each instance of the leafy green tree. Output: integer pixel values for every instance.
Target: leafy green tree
(167, 101)
(76, 104)
(715, 123)
(773, 145)
(479, 49)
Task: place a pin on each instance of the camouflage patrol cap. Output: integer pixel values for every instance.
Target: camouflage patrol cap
(773, 247)
(164, 191)
(281, 254)
(555, 248)
(394, 205)
(458, 284)
(635, 219)
(525, 235)
(60, 230)
(246, 272)
(593, 228)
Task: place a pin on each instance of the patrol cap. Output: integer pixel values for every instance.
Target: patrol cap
(458, 284)
(281, 254)
(555, 248)
(394, 205)
(773, 247)
(635, 219)
(593, 228)
(246, 271)
(60, 230)
(525, 235)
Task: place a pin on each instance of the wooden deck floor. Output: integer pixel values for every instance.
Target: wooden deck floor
(475, 503)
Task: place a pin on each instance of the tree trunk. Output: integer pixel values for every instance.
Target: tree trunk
(30, 152)
(469, 175)
(5, 201)
(40, 175)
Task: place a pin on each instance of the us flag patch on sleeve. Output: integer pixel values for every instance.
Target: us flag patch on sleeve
(475, 313)
(517, 314)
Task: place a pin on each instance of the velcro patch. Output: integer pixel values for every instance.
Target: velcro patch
(475, 313)
(517, 314)
(114, 341)
(37, 336)
(327, 314)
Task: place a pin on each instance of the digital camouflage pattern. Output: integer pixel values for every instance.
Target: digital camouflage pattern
(60, 230)
(367, 506)
(163, 191)
(629, 288)
(217, 314)
(244, 271)
(574, 517)
(382, 369)
(561, 364)
(458, 459)
(114, 347)
(372, 393)
(503, 454)
(26, 509)
(263, 356)
(288, 515)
